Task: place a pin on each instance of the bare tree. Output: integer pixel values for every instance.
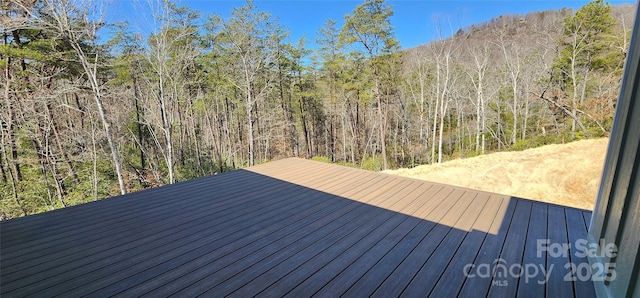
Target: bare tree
(78, 23)
(417, 82)
(249, 38)
(169, 56)
(511, 54)
(443, 55)
(480, 55)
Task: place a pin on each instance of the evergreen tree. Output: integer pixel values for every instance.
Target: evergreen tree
(584, 49)
(369, 27)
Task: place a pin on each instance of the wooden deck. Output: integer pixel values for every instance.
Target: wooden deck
(295, 228)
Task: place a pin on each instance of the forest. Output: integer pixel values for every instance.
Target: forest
(83, 117)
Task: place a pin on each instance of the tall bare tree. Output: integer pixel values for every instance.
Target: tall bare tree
(480, 55)
(249, 37)
(78, 23)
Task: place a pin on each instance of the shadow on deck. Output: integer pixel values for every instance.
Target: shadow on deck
(298, 228)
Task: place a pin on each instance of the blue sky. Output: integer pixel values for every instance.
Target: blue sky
(414, 20)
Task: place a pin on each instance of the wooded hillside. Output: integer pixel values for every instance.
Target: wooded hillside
(83, 119)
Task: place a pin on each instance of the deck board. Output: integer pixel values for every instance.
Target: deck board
(284, 285)
(102, 222)
(466, 210)
(451, 280)
(244, 229)
(557, 233)
(512, 252)
(576, 233)
(196, 276)
(292, 228)
(489, 252)
(119, 233)
(263, 278)
(395, 255)
(532, 286)
(166, 238)
(395, 284)
(358, 267)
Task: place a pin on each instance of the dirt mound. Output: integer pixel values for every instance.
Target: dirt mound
(566, 174)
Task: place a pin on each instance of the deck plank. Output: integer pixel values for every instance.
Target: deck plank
(532, 284)
(506, 284)
(183, 265)
(395, 284)
(289, 280)
(222, 263)
(357, 268)
(292, 228)
(577, 232)
(138, 269)
(467, 210)
(336, 260)
(381, 269)
(558, 259)
(113, 270)
(89, 241)
(259, 281)
(83, 259)
(490, 251)
(453, 277)
(73, 228)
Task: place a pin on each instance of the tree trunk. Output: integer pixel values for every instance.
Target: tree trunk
(92, 75)
(112, 145)
(514, 133)
(95, 162)
(435, 119)
(15, 165)
(136, 98)
(56, 135)
(166, 130)
(305, 129)
(12, 179)
(2, 170)
(574, 100)
(250, 136)
(61, 18)
(381, 120)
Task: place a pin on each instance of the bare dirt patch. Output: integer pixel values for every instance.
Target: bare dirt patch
(565, 174)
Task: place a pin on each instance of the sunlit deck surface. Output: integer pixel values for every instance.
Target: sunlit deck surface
(298, 228)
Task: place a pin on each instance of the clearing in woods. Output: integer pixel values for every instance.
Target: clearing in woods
(565, 174)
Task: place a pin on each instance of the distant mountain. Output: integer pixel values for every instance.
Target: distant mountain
(500, 83)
